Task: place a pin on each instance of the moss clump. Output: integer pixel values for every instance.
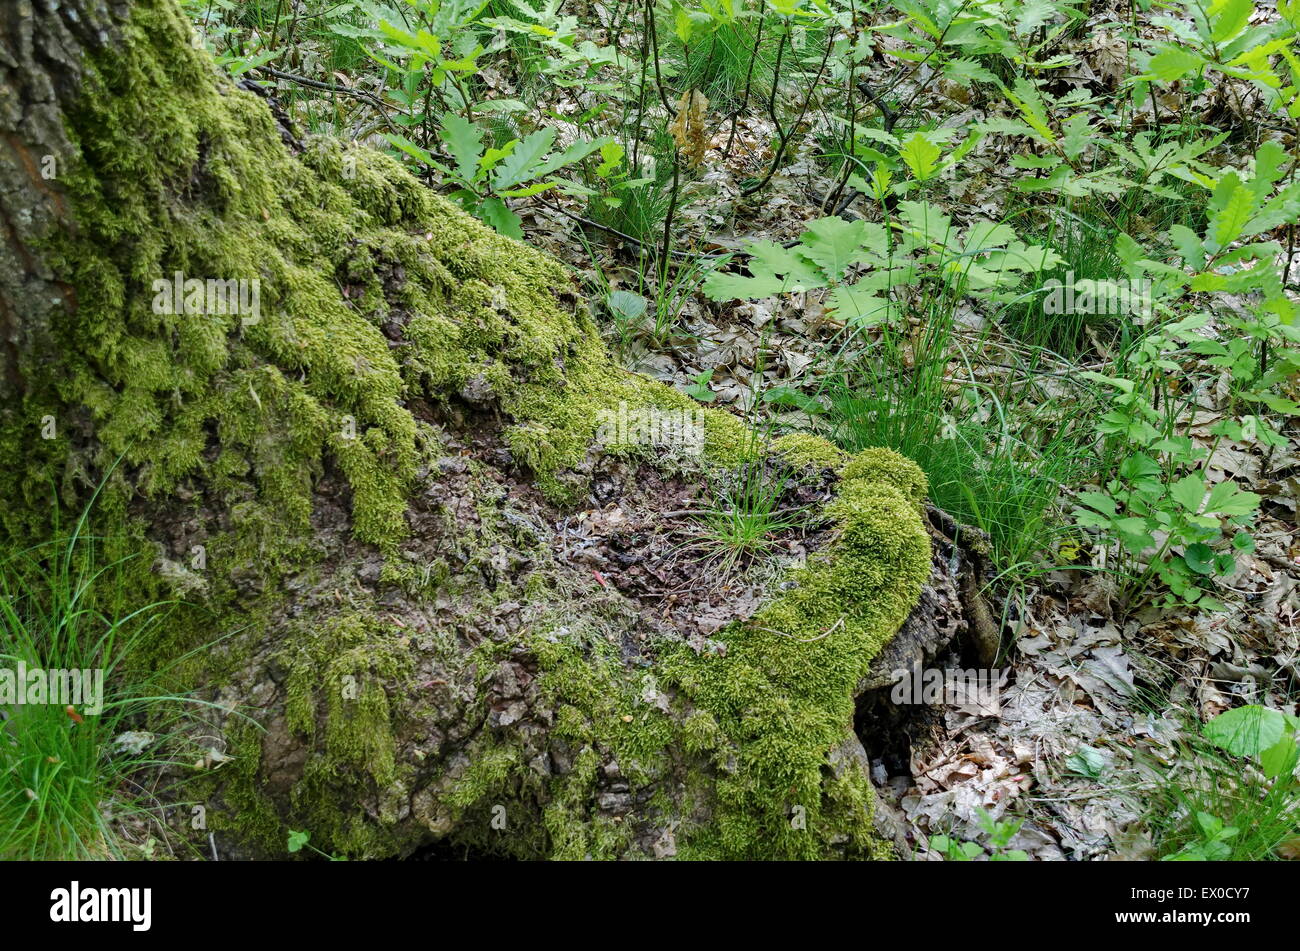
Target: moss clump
(887, 467)
(783, 691)
(804, 450)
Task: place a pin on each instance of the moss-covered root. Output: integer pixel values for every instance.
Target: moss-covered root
(783, 691)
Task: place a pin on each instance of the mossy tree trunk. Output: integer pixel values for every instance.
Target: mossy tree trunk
(352, 447)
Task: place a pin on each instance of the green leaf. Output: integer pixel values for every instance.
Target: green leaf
(1229, 17)
(536, 188)
(987, 236)
(1235, 204)
(1245, 731)
(626, 306)
(1097, 500)
(1200, 558)
(700, 388)
(495, 212)
(858, 306)
(1284, 208)
(720, 285)
(1076, 134)
(775, 270)
(574, 153)
(1188, 492)
(297, 840)
(1030, 103)
(1226, 499)
(611, 154)
(491, 157)
(1086, 761)
(464, 140)
(1189, 246)
(1280, 758)
(1173, 63)
(518, 165)
(1270, 160)
(790, 396)
(500, 105)
(920, 155)
(1140, 466)
(833, 244)
(925, 221)
(966, 72)
(800, 273)
(417, 153)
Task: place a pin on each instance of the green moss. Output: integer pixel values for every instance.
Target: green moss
(804, 450)
(753, 726)
(783, 691)
(888, 467)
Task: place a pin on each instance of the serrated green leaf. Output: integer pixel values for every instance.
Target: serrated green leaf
(798, 273)
(1076, 135)
(1233, 204)
(859, 307)
(495, 212)
(1188, 492)
(720, 285)
(413, 150)
(1189, 246)
(925, 221)
(1226, 499)
(920, 155)
(833, 244)
(464, 140)
(1099, 501)
(967, 72)
(574, 153)
(536, 188)
(519, 165)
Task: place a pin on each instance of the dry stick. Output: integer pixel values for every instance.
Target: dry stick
(784, 136)
(672, 198)
(749, 79)
(805, 640)
(640, 104)
(654, 43)
(329, 87)
(888, 113)
(627, 237)
(851, 110)
(668, 221)
(771, 108)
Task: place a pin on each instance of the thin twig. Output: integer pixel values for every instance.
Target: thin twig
(330, 87)
(805, 640)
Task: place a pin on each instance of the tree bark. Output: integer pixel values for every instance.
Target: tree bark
(43, 48)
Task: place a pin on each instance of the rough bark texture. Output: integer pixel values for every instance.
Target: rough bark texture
(425, 601)
(41, 53)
